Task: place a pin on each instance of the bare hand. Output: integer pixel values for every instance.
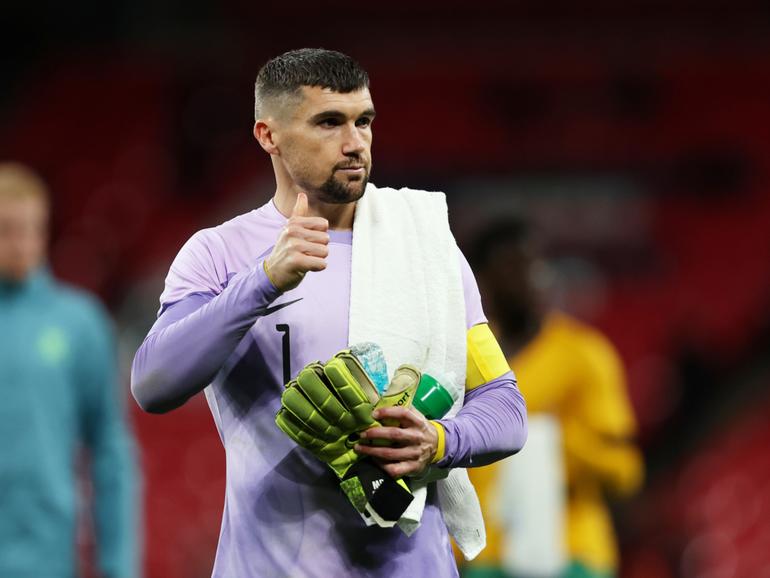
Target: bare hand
(302, 246)
(413, 442)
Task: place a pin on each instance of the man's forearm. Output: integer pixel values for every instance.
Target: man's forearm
(193, 338)
(491, 425)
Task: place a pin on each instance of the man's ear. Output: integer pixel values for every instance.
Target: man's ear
(263, 132)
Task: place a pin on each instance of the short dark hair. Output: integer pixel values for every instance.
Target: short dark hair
(287, 73)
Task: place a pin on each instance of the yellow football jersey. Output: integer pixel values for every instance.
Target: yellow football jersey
(573, 373)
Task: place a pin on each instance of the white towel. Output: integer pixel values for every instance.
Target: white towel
(407, 296)
(406, 289)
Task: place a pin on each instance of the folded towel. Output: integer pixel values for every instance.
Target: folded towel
(407, 296)
(406, 289)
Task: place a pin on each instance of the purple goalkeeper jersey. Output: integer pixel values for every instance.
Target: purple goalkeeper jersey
(284, 513)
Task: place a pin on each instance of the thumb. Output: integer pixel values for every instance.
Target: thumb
(300, 206)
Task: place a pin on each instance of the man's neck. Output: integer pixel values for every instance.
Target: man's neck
(15, 283)
(340, 216)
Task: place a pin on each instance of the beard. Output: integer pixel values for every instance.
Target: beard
(336, 192)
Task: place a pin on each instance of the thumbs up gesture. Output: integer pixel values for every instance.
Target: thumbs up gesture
(302, 246)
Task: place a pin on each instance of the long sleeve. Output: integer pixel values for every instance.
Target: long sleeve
(491, 425)
(193, 338)
(111, 452)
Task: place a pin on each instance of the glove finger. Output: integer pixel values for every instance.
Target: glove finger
(322, 450)
(402, 387)
(339, 455)
(315, 388)
(288, 423)
(400, 393)
(360, 375)
(350, 391)
(294, 401)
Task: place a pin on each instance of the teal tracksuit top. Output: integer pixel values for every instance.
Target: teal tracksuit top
(59, 393)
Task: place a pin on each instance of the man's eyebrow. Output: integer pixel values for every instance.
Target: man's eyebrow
(327, 114)
(336, 114)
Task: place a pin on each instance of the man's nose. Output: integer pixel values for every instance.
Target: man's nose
(354, 142)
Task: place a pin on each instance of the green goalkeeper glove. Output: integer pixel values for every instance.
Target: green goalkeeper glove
(326, 407)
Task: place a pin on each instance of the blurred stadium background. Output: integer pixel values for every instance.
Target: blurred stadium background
(630, 132)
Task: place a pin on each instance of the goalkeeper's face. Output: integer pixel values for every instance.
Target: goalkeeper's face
(325, 143)
(23, 235)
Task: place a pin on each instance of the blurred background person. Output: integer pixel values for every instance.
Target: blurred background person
(571, 375)
(60, 396)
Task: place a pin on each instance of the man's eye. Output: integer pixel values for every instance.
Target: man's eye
(329, 122)
(364, 122)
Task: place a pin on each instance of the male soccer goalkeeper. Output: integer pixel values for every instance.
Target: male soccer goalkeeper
(249, 303)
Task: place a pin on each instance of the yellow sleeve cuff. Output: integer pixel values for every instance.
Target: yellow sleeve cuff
(441, 442)
(267, 272)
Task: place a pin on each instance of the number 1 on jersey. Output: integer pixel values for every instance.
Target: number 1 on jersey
(286, 345)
